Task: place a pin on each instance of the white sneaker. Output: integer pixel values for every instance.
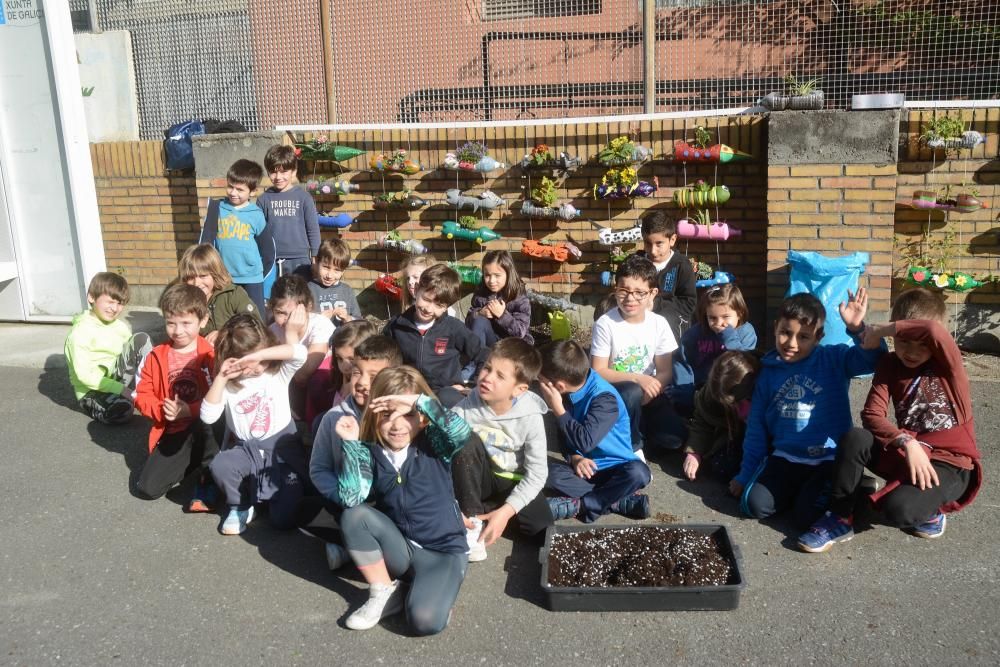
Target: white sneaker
(477, 550)
(641, 455)
(336, 556)
(383, 600)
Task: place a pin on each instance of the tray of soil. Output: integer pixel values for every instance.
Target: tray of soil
(646, 567)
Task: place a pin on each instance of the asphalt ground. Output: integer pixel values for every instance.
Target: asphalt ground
(92, 575)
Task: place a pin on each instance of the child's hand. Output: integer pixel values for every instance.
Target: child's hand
(341, 314)
(552, 398)
(853, 312)
(582, 466)
(495, 523)
(691, 463)
(174, 409)
(347, 428)
(295, 327)
(735, 488)
(496, 308)
(396, 405)
(922, 473)
(229, 370)
(651, 387)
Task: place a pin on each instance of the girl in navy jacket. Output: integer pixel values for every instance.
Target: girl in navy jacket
(500, 307)
(400, 459)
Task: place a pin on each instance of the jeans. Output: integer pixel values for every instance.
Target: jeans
(602, 490)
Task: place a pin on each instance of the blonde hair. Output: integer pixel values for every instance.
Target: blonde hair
(200, 260)
(390, 381)
(426, 261)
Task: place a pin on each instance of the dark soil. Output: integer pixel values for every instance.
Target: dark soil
(639, 556)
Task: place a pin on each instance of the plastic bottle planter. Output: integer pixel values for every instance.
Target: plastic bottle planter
(324, 150)
(394, 163)
(608, 236)
(778, 102)
(702, 194)
(548, 302)
(565, 211)
(956, 282)
(486, 200)
(720, 278)
(719, 153)
(559, 251)
(963, 203)
(387, 285)
(338, 221)
(470, 275)
(710, 231)
(969, 139)
(330, 187)
(483, 165)
(452, 230)
(404, 200)
(622, 152)
(393, 241)
(564, 162)
(621, 184)
(615, 257)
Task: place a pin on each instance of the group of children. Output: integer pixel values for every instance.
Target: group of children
(426, 440)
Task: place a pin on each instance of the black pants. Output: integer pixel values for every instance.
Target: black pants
(904, 507)
(479, 489)
(783, 484)
(655, 425)
(176, 456)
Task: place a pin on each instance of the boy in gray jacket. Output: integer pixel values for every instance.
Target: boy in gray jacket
(501, 475)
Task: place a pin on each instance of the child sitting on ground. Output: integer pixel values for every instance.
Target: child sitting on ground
(601, 473)
(631, 349)
(801, 410)
(500, 307)
(102, 355)
(412, 267)
(251, 387)
(400, 459)
(928, 457)
(501, 475)
(720, 324)
(721, 408)
(201, 266)
(173, 381)
(331, 383)
(290, 212)
(675, 281)
(434, 342)
(333, 298)
(238, 230)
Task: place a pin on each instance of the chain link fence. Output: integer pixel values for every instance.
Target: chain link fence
(265, 64)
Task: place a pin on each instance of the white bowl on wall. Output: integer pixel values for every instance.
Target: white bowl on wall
(880, 101)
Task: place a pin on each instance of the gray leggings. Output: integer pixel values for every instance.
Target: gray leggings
(435, 577)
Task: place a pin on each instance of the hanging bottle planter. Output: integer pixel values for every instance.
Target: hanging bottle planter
(798, 96)
(472, 156)
(962, 203)
(718, 278)
(702, 150)
(550, 302)
(320, 148)
(453, 230)
(956, 281)
(486, 200)
(386, 284)
(702, 194)
(608, 236)
(393, 241)
(541, 157)
(338, 221)
(468, 274)
(398, 162)
(543, 203)
(622, 152)
(623, 183)
(558, 251)
(404, 199)
(948, 132)
(330, 187)
(703, 228)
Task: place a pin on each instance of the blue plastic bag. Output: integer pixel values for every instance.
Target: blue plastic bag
(177, 145)
(828, 279)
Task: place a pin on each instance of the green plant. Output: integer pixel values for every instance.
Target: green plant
(545, 194)
(801, 88)
(702, 137)
(471, 151)
(625, 177)
(617, 151)
(935, 253)
(468, 221)
(540, 155)
(944, 127)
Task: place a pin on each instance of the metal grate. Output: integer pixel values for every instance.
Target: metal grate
(454, 61)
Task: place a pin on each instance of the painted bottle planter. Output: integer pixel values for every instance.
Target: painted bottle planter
(719, 278)
(330, 187)
(565, 211)
(386, 284)
(615, 191)
(564, 162)
(470, 275)
(713, 231)
(549, 302)
(452, 230)
(338, 221)
(778, 102)
(969, 139)
(393, 241)
(484, 165)
(719, 153)
(617, 153)
(702, 194)
(955, 281)
(608, 236)
(404, 200)
(559, 251)
(486, 200)
(963, 203)
(324, 150)
(394, 163)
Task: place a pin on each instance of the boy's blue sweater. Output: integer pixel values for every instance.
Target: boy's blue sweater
(802, 409)
(699, 349)
(596, 425)
(293, 220)
(237, 242)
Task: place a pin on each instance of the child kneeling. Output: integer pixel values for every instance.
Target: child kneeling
(400, 458)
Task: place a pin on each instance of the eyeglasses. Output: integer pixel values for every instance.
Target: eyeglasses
(638, 295)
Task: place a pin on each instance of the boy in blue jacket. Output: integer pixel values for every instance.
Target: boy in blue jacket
(801, 409)
(601, 473)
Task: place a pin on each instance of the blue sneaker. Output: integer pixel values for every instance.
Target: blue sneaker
(237, 520)
(828, 530)
(931, 529)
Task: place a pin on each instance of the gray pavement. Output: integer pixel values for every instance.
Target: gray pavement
(92, 575)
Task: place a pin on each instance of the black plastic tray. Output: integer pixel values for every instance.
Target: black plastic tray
(647, 598)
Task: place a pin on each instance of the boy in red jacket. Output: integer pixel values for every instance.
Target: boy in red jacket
(930, 460)
(173, 379)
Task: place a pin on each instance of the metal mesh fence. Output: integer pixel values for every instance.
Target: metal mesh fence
(263, 64)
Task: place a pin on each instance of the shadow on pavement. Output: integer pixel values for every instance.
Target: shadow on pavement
(54, 384)
(524, 572)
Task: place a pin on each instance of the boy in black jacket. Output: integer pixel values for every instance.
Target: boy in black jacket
(433, 341)
(677, 296)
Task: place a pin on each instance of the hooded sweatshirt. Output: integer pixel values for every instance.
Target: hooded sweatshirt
(514, 441)
(699, 348)
(92, 349)
(327, 450)
(242, 237)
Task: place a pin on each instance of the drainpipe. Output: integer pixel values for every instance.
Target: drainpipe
(326, 31)
(649, 55)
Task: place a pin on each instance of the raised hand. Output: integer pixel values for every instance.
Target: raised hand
(396, 405)
(295, 327)
(854, 310)
(347, 428)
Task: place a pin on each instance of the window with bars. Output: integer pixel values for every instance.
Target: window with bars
(503, 10)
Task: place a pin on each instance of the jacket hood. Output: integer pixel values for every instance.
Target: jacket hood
(528, 403)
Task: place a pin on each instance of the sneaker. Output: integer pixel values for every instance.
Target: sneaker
(828, 530)
(477, 550)
(641, 455)
(563, 507)
(383, 600)
(237, 520)
(204, 498)
(635, 506)
(336, 556)
(870, 485)
(931, 529)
